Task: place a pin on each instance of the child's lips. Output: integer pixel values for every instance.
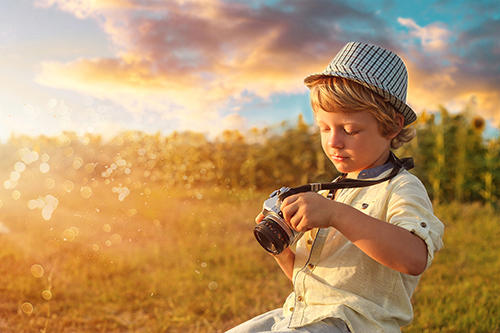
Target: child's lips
(338, 158)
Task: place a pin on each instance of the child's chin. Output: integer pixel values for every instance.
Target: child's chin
(346, 170)
(342, 168)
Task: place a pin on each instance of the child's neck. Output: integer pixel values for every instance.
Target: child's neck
(353, 175)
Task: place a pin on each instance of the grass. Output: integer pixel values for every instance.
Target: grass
(166, 260)
(459, 293)
(152, 263)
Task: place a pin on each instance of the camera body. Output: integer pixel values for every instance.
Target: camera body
(273, 233)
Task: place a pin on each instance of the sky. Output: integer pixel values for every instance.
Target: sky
(105, 66)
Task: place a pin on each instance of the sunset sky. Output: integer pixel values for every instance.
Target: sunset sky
(103, 66)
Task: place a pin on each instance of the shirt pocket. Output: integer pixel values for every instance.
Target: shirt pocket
(368, 207)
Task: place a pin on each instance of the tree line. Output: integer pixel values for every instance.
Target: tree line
(453, 160)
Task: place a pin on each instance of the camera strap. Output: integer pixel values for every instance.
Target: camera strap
(405, 163)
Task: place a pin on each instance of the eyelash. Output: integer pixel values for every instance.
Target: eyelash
(349, 133)
(326, 130)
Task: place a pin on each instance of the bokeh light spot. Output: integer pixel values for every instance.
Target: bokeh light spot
(77, 163)
(123, 192)
(68, 151)
(14, 175)
(27, 308)
(75, 230)
(68, 186)
(89, 168)
(40, 203)
(68, 235)
(19, 167)
(49, 183)
(37, 271)
(44, 168)
(47, 212)
(46, 295)
(86, 192)
(32, 204)
(213, 286)
(116, 239)
(16, 195)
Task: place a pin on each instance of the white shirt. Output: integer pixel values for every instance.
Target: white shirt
(333, 278)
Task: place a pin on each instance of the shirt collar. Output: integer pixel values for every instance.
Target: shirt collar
(376, 171)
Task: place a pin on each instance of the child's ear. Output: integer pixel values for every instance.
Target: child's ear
(400, 120)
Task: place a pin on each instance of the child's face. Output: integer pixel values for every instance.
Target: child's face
(352, 141)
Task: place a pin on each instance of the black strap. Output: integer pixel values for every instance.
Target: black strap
(406, 163)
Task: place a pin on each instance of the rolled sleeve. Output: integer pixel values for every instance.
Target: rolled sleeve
(422, 230)
(411, 209)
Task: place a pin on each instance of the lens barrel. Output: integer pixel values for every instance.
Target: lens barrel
(271, 236)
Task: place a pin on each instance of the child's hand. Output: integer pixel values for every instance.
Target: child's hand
(309, 210)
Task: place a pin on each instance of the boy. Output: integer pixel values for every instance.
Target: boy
(364, 249)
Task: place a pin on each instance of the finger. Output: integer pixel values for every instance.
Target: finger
(289, 211)
(259, 218)
(289, 200)
(296, 219)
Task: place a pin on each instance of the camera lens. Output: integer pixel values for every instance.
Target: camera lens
(271, 236)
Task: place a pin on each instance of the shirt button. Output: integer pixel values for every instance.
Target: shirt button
(311, 266)
(423, 225)
(309, 242)
(300, 298)
(291, 309)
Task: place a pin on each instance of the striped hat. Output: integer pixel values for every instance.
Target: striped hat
(377, 69)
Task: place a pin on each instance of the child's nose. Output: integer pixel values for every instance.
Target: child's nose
(335, 140)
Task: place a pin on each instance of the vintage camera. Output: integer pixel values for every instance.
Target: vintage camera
(273, 233)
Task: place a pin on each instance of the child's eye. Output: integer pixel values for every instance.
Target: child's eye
(350, 133)
(324, 129)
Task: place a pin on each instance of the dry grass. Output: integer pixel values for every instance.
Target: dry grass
(156, 262)
(166, 260)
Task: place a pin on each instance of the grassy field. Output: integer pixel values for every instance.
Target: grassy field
(163, 260)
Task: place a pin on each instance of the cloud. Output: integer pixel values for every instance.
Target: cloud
(192, 58)
(234, 121)
(453, 69)
(433, 37)
(203, 59)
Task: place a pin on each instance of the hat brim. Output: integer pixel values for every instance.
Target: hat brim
(400, 106)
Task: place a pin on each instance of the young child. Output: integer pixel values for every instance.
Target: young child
(364, 249)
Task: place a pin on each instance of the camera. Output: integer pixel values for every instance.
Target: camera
(273, 232)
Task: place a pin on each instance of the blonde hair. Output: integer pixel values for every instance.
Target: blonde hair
(335, 94)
